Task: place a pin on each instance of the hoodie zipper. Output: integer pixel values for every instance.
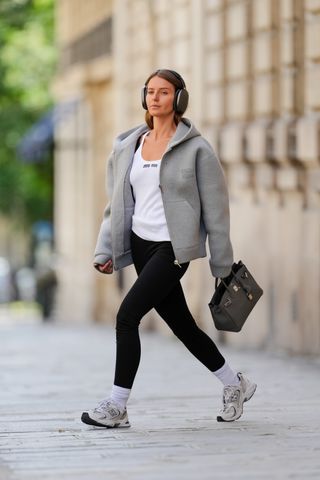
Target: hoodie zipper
(176, 262)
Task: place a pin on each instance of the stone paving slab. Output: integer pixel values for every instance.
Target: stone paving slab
(50, 374)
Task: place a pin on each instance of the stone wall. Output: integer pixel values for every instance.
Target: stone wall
(252, 68)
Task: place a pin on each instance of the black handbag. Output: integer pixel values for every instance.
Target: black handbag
(234, 298)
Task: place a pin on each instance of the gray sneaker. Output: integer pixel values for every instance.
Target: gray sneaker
(106, 414)
(233, 398)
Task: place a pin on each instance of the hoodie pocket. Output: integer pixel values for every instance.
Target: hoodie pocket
(183, 224)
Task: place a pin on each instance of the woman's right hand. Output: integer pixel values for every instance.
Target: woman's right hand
(105, 268)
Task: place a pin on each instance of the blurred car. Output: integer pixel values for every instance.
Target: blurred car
(6, 285)
(25, 280)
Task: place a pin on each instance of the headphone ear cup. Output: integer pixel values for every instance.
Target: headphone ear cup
(143, 97)
(181, 100)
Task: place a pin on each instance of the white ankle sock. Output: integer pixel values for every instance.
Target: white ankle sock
(226, 375)
(120, 395)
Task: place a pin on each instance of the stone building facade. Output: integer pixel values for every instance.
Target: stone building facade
(252, 68)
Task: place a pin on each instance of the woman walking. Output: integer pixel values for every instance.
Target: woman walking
(167, 195)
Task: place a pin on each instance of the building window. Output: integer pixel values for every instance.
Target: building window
(94, 44)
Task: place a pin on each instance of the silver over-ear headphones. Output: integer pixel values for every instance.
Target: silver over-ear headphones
(181, 96)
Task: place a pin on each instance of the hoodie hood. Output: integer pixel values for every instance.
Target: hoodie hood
(185, 131)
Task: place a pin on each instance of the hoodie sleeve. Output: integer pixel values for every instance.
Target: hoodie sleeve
(103, 250)
(215, 212)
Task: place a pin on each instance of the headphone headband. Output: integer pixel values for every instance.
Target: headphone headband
(175, 74)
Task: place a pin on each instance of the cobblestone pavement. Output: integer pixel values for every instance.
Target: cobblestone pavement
(50, 374)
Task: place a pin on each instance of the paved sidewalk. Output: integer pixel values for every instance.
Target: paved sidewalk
(49, 374)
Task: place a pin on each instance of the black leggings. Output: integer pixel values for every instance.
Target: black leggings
(157, 286)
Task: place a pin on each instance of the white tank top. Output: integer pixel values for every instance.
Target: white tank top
(148, 221)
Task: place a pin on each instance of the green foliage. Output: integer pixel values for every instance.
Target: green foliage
(27, 63)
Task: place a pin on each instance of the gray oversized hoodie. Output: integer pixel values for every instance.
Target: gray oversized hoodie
(194, 194)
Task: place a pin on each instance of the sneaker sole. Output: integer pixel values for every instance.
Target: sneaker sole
(220, 419)
(246, 399)
(85, 418)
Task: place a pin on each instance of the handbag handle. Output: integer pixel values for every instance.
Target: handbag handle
(245, 287)
(224, 283)
(221, 279)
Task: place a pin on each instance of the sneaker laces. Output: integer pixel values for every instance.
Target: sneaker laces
(230, 394)
(104, 405)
